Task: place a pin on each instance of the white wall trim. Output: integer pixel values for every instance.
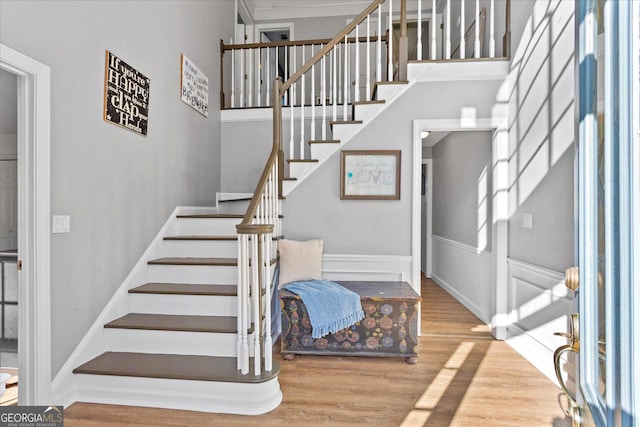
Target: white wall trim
(428, 231)
(273, 26)
(93, 342)
(470, 305)
(368, 267)
(498, 123)
(538, 346)
(462, 246)
(34, 205)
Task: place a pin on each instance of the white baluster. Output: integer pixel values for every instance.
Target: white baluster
(379, 47)
(239, 355)
(242, 102)
(268, 77)
(390, 43)
(434, 45)
(313, 98)
(258, 77)
(266, 244)
(492, 40)
(323, 95)
(302, 99)
(286, 73)
(292, 101)
(367, 95)
(275, 67)
(356, 94)
(345, 74)
(233, 78)
(419, 43)
(255, 281)
(250, 78)
(334, 88)
(340, 60)
(476, 46)
(243, 298)
(463, 42)
(448, 31)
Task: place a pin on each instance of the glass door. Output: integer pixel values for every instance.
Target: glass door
(607, 207)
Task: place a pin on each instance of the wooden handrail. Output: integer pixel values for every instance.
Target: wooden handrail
(247, 225)
(334, 41)
(295, 43)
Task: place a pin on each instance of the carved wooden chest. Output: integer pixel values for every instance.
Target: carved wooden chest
(389, 329)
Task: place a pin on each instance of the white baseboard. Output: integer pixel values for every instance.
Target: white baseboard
(479, 313)
(464, 272)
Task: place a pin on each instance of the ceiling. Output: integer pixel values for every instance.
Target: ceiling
(293, 9)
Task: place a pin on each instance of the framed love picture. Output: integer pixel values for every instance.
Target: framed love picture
(370, 175)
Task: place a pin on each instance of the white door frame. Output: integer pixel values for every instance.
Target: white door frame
(500, 200)
(34, 307)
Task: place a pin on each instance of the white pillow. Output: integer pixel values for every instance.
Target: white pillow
(300, 260)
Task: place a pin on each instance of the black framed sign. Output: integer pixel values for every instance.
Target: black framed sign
(126, 95)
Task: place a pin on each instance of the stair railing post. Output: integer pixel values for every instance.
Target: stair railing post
(434, 20)
(403, 44)
(266, 280)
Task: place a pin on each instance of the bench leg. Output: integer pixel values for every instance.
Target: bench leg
(411, 360)
(288, 356)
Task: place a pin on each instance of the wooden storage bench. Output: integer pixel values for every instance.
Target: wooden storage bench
(389, 329)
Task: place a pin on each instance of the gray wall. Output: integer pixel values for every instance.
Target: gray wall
(541, 136)
(314, 208)
(8, 114)
(462, 188)
(118, 187)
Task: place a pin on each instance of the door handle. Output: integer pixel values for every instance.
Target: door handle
(572, 278)
(573, 410)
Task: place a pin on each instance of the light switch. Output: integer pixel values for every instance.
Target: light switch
(61, 224)
(527, 221)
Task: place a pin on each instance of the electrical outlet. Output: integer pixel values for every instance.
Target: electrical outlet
(527, 221)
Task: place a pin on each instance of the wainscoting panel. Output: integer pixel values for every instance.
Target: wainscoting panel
(539, 305)
(369, 267)
(464, 272)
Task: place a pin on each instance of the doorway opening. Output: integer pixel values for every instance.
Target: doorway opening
(8, 238)
(33, 213)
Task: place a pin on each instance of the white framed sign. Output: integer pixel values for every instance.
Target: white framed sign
(194, 86)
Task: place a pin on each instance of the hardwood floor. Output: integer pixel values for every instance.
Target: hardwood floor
(463, 378)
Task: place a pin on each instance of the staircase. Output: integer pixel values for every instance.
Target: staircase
(342, 131)
(176, 345)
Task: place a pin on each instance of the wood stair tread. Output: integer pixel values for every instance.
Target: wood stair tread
(384, 83)
(324, 141)
(302, 160)
(173, 366)
(239, 199)
(175, 322)
(373, 101)
(289, 178)
(224, 262)
(225, 216)
(345, 122)
(201, 237)
(185, 289)
(194, 261)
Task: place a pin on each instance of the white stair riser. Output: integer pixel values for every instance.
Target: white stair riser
(222, 275)
(387, 92)
(363, 112)
(322, 151)
(203, 396)
(298, 170)
(171, 342)
(214, 226)
(287, 186)
(199, 248)
(196, 305)
(344, 132)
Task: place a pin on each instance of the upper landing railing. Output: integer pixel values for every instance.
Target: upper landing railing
(464, 29)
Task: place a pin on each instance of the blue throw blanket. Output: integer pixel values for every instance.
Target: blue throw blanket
(331, 307)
